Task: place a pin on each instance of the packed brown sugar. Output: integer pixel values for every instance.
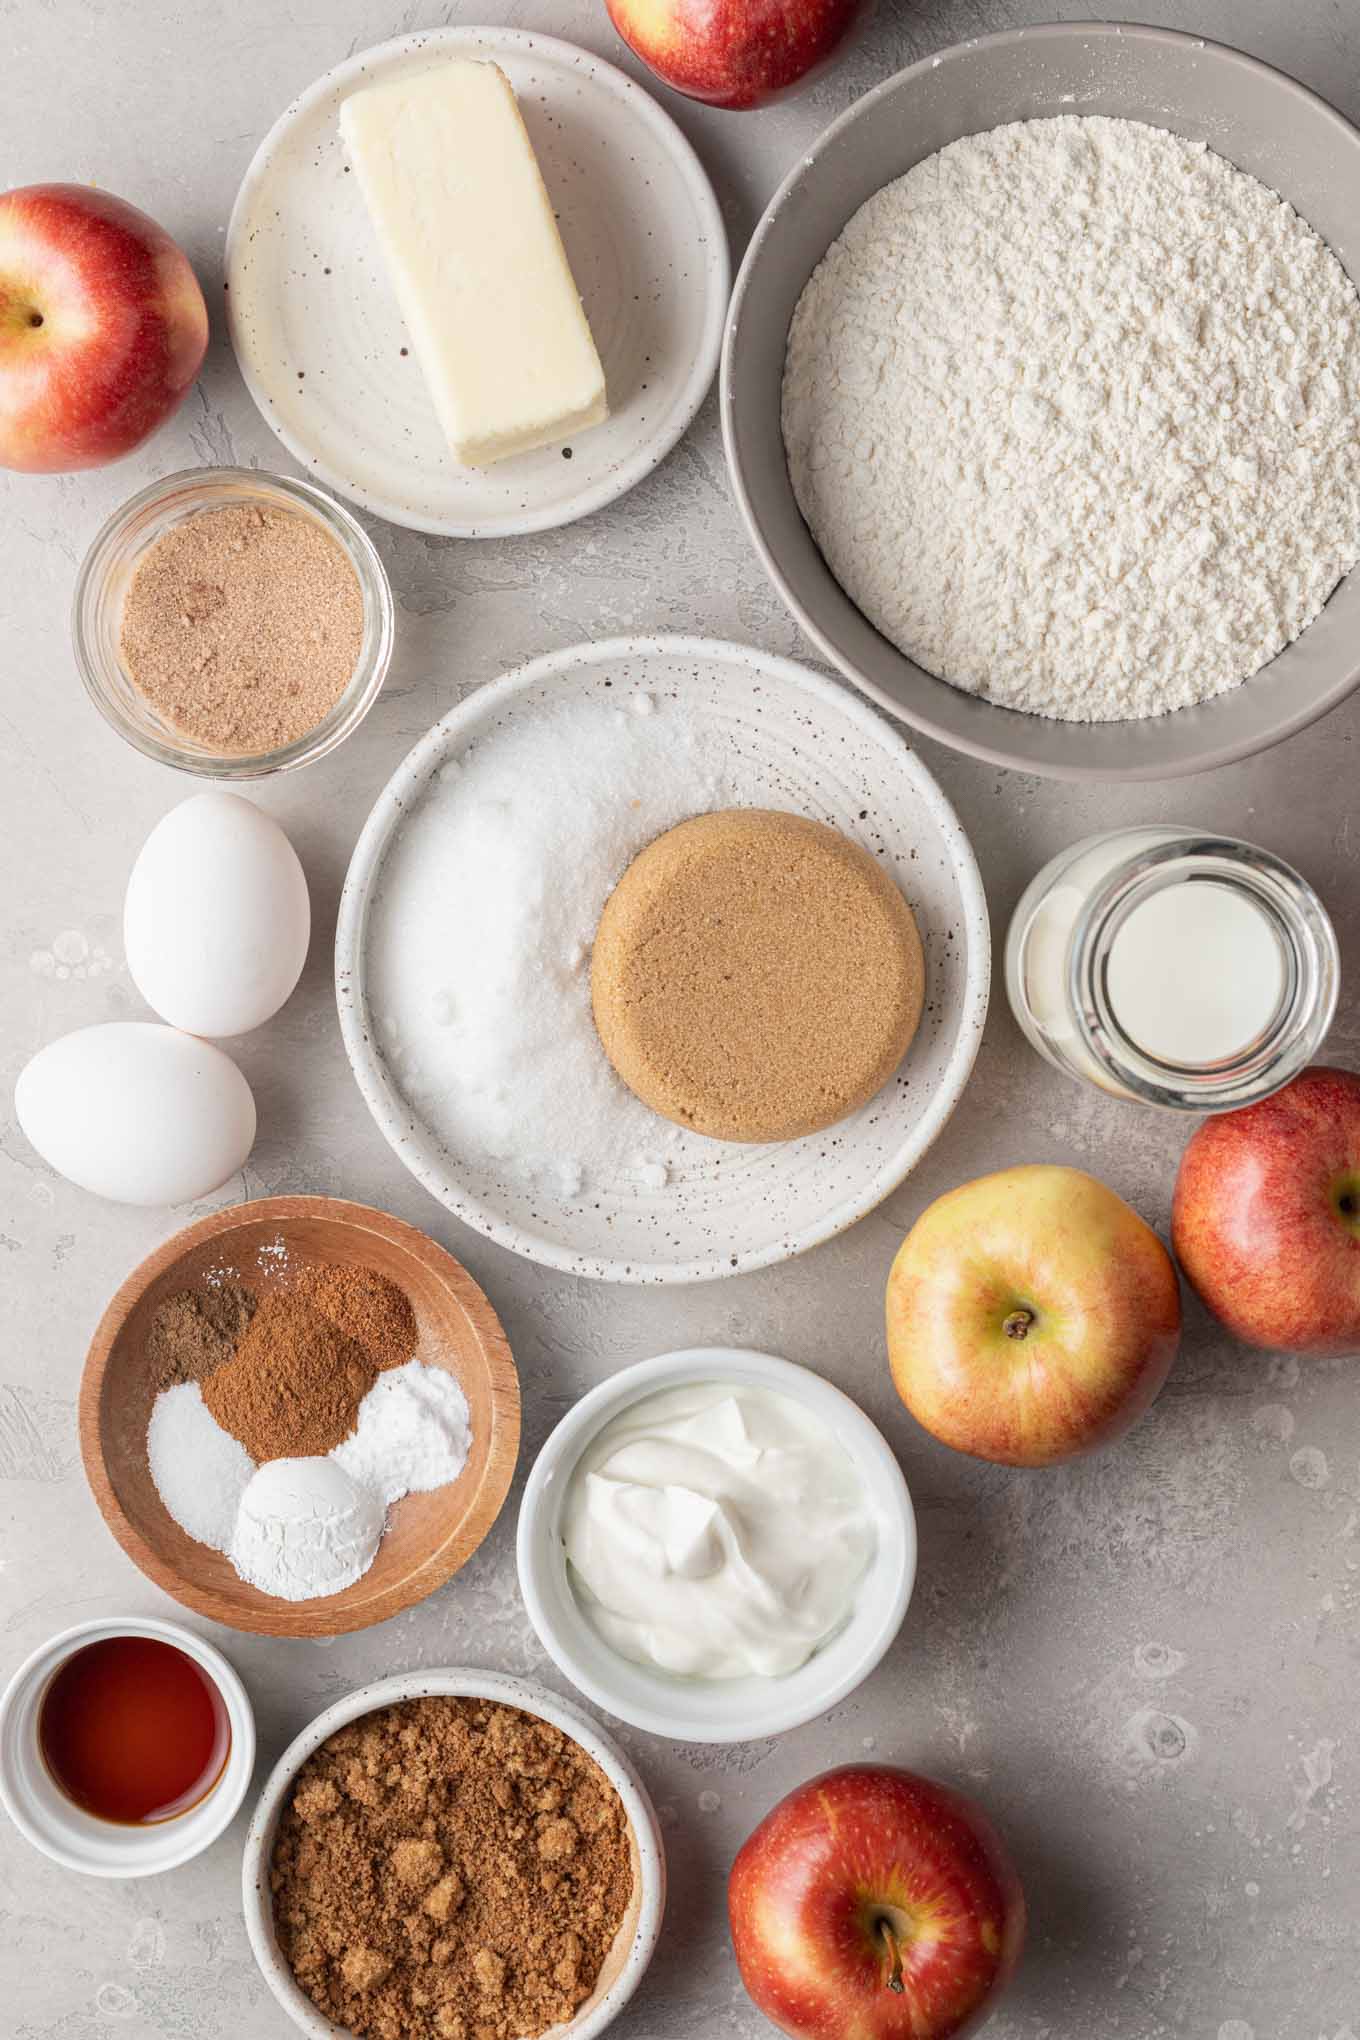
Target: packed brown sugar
(450, 1869)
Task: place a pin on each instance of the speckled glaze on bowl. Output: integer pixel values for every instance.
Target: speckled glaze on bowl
(635, 1942)
(1260, 120)
(325, 351)
(814, 748)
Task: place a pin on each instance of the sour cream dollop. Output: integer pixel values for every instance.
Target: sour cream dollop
(717, 1531)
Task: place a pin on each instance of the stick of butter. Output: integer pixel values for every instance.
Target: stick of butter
(454, 190)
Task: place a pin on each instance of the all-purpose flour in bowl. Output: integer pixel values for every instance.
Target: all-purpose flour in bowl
(1072, 411)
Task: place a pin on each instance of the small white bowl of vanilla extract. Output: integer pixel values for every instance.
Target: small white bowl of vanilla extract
(126, 1747)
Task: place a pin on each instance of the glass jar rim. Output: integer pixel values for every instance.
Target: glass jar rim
(1300, 922)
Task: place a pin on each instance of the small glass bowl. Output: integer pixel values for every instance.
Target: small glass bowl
(106, 573)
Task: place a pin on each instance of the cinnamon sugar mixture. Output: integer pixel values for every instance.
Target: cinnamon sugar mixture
(242, 626)
(450, 1869)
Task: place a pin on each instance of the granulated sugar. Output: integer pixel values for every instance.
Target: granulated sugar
(1073, 412)
(200, 1470)
(479, 948)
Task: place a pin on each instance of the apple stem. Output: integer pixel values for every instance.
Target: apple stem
(894, 1976)
(1017, 1324)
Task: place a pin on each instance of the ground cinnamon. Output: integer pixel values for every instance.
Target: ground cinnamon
(294, 1384)
(450, 1869)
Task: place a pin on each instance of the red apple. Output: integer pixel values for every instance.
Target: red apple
(735, 53)
(1266, 1216)
(1031, 1316)
(874, 1904)
(102, 327)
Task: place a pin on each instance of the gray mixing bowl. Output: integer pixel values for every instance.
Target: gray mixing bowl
(1257, 118)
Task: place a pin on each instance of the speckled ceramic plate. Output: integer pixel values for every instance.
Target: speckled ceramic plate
(323, 347)
(804, 743)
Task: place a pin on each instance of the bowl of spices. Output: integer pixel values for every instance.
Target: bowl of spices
(126, 1747)
(233, 623)
(299, 1416)
(447, 1853)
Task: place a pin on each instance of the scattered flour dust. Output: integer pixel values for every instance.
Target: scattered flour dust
(479, 943)
(1073, 412)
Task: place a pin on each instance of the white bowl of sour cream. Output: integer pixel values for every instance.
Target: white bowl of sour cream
(716, 1545)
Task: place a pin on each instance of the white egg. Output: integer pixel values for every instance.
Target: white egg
(136, 1112)
(216, 919)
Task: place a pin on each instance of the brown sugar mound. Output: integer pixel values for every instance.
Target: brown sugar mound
(294, 1384)
(756, 975)
(450, 1869)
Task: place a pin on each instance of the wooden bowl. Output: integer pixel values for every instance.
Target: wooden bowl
(428, 1535)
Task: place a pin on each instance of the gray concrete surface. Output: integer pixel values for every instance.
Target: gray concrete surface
(1147, 1665)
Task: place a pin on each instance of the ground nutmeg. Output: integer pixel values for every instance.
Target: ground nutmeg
(365, 1305)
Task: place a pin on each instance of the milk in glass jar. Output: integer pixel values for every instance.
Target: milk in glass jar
(1167, 965)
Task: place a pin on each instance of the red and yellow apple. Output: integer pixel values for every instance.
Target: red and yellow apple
(1032, 1316)
(735, 53)
(874, 1904)
(102, 327)
(1266, 1216)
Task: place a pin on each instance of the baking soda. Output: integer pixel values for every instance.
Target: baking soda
(298, 1528)
(412, 1434)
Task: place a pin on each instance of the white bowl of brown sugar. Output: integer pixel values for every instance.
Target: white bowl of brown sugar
(233, 623)
(449, 1853)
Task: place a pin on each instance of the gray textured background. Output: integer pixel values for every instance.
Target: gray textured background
(1147, 1666)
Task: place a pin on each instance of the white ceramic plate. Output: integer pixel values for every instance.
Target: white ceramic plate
(628, 1964)
(324, 349)
(807, 744)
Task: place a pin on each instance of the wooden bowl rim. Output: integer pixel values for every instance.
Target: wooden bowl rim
(300, 1618)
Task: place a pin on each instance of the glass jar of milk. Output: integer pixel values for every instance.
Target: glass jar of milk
(1166, 965)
